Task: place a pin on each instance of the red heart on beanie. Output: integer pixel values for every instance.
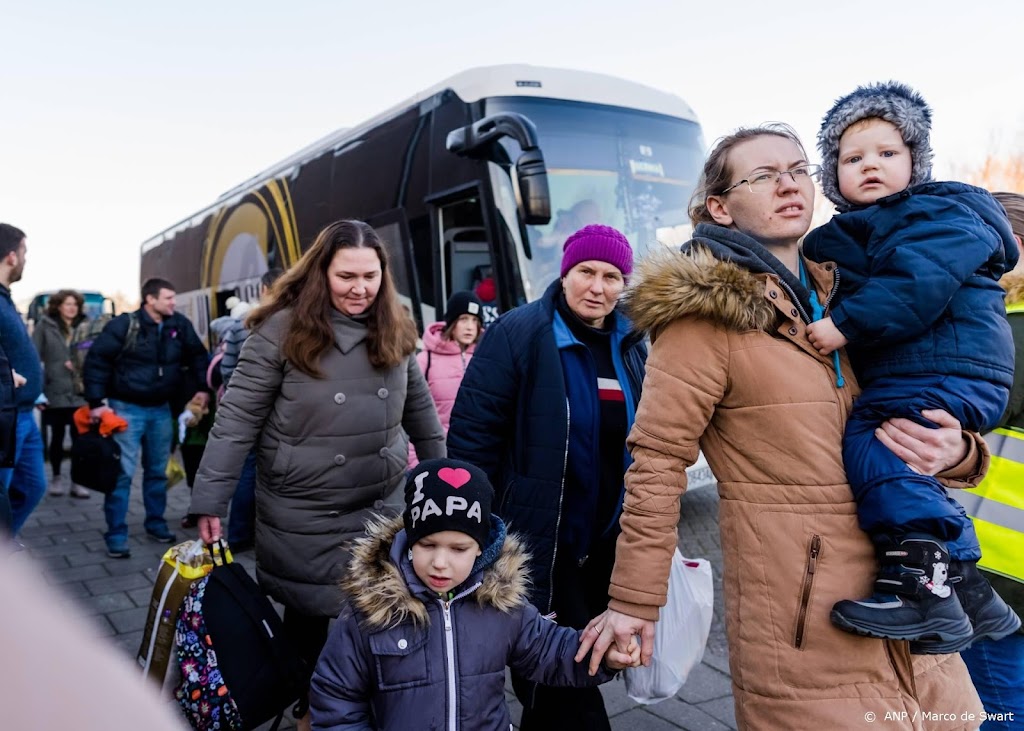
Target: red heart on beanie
(456, 477)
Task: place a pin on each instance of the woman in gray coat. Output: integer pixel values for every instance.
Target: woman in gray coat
(52, 338)
(327, 387)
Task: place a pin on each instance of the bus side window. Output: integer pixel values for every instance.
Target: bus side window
(466, 259)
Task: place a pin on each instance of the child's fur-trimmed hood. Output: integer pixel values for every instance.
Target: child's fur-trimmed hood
(377, 588)
(671, 284)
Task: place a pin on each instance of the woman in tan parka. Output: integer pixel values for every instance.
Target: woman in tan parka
(731, 372)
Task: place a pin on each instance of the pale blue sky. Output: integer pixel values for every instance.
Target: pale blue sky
(119, 118)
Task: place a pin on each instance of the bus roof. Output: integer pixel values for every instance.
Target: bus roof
(473, 85)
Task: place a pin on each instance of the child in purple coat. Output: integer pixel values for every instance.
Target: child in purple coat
(437, 609)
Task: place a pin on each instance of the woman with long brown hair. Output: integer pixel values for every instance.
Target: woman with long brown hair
(52, 338)
(326, 388)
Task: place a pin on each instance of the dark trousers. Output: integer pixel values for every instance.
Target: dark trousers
(308, 634)
(58, 421)
(580, 593)
(892, 499)
(6, 516)
(242, 515)
(191, 456)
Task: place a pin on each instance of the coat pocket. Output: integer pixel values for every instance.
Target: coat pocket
(813, 551)
(282, 460)
(806, 563)
(400, 658)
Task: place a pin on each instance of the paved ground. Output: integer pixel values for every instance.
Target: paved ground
(66, 536)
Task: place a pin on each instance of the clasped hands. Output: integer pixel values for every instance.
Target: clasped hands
(613, 638)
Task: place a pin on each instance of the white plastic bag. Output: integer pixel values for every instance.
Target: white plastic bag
(680, 634)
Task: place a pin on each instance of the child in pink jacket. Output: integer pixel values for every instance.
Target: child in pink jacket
(447, 349)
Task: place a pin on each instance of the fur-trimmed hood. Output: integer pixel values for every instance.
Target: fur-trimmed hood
(714, 276)
(892, 101)
(383, 588)
(1013, 283)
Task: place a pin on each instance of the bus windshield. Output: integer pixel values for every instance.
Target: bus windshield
(624, 168)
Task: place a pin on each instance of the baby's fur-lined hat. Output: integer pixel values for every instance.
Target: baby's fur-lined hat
(892, 101)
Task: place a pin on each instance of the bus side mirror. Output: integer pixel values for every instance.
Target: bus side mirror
(532, 177)
(474, 140)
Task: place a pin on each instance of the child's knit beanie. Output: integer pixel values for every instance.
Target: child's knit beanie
(446, 494)
(892, 101)
(462, 303)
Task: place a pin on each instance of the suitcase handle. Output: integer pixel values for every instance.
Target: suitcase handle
(222, 548)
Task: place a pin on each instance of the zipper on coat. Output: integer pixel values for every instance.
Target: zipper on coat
(805, 592)
(558, 524)
(832, 292)
(796, 302)
(558, 520)
(449, 645)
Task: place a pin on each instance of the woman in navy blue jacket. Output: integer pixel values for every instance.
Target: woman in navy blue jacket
(544, 410)
(921, 308)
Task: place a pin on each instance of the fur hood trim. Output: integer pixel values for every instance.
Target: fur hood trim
(670, 284)
(892, 101)
(1013, 283)
(378, 590)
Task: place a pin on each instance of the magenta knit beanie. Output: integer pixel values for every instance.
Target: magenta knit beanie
(601, 243)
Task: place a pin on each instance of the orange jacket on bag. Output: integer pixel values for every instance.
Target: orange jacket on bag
(110, 423)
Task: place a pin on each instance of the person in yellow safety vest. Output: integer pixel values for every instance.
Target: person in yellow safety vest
(997, 507)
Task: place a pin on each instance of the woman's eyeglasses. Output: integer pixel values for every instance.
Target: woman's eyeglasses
(767, 179)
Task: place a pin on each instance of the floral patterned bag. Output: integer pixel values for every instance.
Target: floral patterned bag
(237, 669)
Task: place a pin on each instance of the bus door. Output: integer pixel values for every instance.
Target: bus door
(463, 253)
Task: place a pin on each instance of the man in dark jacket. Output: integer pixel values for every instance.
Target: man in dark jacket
(8, 433)
(24, 481)
(140, 363)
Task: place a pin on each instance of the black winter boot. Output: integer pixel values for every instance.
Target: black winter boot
(912, 600)
(991, 618)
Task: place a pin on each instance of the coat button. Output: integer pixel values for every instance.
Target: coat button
(792, 331)
(339, 459)
(828, 267)
(333, 514)
(383, 452)
(773, 294)
(382, 393)
(378, 504)
(339, 398)
(402, 644)
(793, 312)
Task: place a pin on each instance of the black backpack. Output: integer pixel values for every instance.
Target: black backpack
(95, 461)
(233, 654)
(85, 334)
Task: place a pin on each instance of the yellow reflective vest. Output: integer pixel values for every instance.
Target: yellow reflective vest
(997, 504)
